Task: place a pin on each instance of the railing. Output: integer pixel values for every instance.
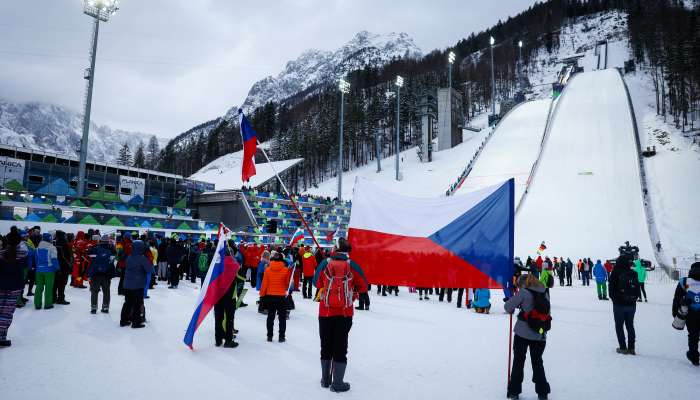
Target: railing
(648, 209)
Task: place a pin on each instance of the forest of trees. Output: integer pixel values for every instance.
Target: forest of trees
(664, 36)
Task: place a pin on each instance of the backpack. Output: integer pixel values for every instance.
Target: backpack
(203, 262)
(692, 294)
(102, 262)
(539, 318)
(628, 287)
(338, 292)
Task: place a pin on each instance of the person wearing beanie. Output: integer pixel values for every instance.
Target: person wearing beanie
(340, 280)
(623, 286)
(601, 278)
(137, 267)
(101, 271)
(687, 295)
(46, 267)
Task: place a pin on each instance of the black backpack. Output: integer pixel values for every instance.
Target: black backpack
(628, 287)
(539, 318)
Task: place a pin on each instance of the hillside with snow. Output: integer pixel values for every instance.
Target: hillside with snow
(56, 129)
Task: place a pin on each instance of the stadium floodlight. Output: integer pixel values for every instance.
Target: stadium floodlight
(399, 85)
(450, 60)
(493, 80)
(520, 43)
(100, 10)
(344, 87)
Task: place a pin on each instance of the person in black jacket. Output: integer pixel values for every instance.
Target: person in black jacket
(623, 286)
(174, 255)
(65, 264)
(163, 259)
(688, 295)
(101, 271)
(137, 267)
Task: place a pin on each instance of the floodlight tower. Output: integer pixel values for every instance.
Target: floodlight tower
(399, 85)
(520, 60)
(493, 80)
(450, 60)
(344, 87)
(99, 10)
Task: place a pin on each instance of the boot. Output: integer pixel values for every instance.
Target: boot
(693, 360)
(325, 373)
(338, 374)
(230, 344)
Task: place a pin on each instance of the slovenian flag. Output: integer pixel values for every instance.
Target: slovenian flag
(457, 241)
(250, 147)
(222, 272)
(541, 249)
(296, 237)
(333, 236)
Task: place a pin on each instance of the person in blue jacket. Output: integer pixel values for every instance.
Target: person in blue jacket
(601, 278)
(46, 267)
(481, 302)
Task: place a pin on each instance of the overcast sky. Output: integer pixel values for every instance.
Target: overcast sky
(164, 66)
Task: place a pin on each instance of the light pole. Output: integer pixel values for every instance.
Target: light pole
(520, 60)
(450, 60)
(100, 10)
(344, 87)
(493, 80)
(399, 85)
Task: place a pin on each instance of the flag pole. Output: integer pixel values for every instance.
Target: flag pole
(284, 187)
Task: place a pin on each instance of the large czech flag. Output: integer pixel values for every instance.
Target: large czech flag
(222, 272)
(463, 241)
(250, 146)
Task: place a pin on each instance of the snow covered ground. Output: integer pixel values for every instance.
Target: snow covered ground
(512, 149)
(401, 349)
(419, 179)
(673, 175)
(585, 198)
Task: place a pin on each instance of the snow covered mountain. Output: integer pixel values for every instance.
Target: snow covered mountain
(314, 67)
(57, 129)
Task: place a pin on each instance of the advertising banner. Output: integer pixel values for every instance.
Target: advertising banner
(11, 173)
(131, 190)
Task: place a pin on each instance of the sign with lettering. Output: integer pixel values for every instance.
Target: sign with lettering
(12, 169)
(131, 189)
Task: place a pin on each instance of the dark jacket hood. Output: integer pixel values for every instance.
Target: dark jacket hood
(694, 271)
(138, 247)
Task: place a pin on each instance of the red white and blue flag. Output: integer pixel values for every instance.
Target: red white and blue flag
(459, 241)
(222, 272)
(296, 237)
(250, 147)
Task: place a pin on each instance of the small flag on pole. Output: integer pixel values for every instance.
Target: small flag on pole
(296, 237)
(250, 147)
(541, 249)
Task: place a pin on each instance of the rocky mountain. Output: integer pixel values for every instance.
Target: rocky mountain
(316, 67)
(53, 128)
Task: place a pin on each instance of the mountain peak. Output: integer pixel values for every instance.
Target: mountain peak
(315, 67)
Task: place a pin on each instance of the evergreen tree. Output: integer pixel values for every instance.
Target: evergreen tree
(140, 156)
(153, 150)
(124, 155)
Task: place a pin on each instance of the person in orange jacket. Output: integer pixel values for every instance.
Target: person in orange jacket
(80, 260)
(273, 293)
(308, 261)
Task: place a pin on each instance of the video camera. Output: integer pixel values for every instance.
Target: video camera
(632, 251)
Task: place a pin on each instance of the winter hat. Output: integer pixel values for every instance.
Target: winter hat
(95, 238)
(694, 271)
(46, 237)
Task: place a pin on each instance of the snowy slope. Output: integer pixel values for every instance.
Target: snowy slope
(672, 175)
(585, 199)
(401, 349)
(419, 179)
(512, 150)
(225, 171)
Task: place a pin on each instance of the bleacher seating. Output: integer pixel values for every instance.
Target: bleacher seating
(325, 218)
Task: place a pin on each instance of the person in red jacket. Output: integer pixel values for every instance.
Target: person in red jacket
(608, 266)
(308, 261)
(539, 263)
(340, 280)
(80, 260)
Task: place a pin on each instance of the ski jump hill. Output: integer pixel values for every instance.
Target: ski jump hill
(577, 174)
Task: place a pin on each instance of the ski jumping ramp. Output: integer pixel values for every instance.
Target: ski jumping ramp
(512, 150)
(585, 198)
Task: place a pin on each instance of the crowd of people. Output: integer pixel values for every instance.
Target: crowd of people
(45, 262)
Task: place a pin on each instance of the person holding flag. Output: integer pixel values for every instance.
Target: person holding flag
(217, 292)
